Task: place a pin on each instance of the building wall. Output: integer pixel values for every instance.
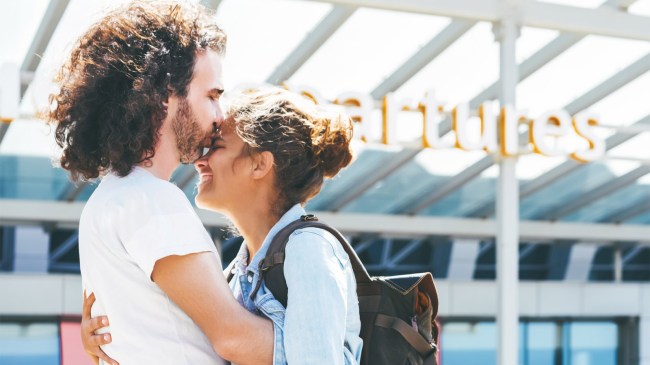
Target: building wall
(25, 295)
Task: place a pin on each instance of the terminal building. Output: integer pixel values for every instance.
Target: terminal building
(501, 145)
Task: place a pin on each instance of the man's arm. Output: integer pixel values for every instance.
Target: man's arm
(195, 283)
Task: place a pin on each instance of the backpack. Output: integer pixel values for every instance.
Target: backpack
(397, 313)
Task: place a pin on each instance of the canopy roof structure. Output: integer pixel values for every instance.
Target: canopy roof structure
(577, 72)
(594, 58)
(582, 56)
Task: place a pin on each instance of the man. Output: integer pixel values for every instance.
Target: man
(139, 94)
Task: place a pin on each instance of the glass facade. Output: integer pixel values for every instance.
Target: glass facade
(29, 344)
(552, 342)
(463, 342)
(41, 343)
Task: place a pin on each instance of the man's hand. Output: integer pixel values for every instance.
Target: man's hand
(90, 340)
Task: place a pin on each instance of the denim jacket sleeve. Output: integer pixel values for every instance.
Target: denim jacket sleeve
(315, 318)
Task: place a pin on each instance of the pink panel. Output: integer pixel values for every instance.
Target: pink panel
(72, 352)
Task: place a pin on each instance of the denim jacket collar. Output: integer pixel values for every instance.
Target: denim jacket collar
(242, 257)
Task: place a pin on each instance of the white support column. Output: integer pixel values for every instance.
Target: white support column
(31, 250)
(463, 259)
(618, 265)
(580, 259)
(507, 204)
(644, 327)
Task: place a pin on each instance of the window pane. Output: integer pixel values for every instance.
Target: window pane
(592, 343)
(29, 344)
(468, 343)
(542, 345)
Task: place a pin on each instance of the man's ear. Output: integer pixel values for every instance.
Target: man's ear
(262, 164)
(170, 94)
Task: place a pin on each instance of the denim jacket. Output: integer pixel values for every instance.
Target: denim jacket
(321, 322)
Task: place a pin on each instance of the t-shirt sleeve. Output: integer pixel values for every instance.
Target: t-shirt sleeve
(161, 225)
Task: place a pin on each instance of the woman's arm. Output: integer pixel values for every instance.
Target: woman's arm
(315, 319)
(197, 285)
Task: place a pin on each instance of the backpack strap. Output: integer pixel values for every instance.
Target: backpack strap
(229, 269)
(271, 268)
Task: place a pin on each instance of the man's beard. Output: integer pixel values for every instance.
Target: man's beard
(188, 133)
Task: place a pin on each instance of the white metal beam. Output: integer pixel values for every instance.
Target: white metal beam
(540, 58)
(591, 97)
(602, 21)
(423, 57)
(526, 68)
(536, 61)
(608, 21)
(48, 25)
(529, 66)
(457, 298)
(31, 212)
(620, 79)
(318, 36)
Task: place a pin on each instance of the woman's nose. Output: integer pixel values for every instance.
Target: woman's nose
(201, 163)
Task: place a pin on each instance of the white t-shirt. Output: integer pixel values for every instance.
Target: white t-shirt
(127, 225)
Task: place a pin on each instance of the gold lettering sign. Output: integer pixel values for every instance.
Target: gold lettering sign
(497, 131)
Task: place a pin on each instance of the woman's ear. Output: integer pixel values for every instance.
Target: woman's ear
(262, 164)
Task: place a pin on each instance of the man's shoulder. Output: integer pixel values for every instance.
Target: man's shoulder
(142, 184)
(136, 191)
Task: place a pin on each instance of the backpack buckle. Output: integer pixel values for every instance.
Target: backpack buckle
(263, 267)
(309, 218)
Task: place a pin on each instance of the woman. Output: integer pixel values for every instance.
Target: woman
(272, 156)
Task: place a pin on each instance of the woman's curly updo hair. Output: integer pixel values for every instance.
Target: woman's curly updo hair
(308, 143)
(109, 108)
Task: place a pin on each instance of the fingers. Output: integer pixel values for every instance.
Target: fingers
(103, 356)
(88, 303)
(90, 325)
(108, 360)
(93, 342)
(96, 340)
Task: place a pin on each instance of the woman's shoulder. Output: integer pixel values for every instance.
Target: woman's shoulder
(315, 244)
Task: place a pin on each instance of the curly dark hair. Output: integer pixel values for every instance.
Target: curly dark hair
(309, 144)
(109, 108)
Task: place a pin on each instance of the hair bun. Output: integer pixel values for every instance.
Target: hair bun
(331, 137)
